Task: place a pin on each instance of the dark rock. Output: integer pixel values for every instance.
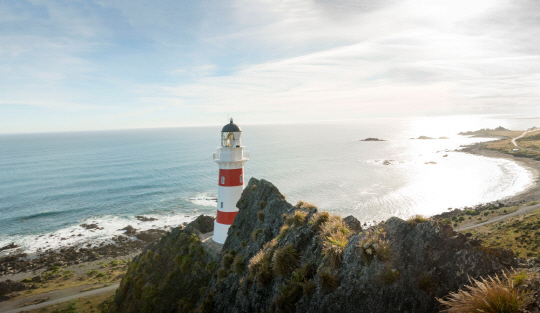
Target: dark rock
(145, 218)
(150, 235)
(91, 226)
(10, 246)
(203, 223)
(130, 231)
(179, 274)
(353, 223)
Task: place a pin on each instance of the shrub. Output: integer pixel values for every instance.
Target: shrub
(256, 233)
(285, 260)
(297, 218)
(309, 288)
(260, 215)
(262, 204)
(492, 294)
(425, 282)
(290, 294)
(416, 219)
(259, 265)
(320, 218)
(228, 259)
(461, 218)
(472, 212)
(332, 226)
(305, 205)
(519, 278)
(238, 264)
(283, 231)
(389, 275)
(223, 272)
(374, 244)
(333, 249)
(328, 280)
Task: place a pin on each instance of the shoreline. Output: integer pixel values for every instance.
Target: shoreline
(530, 194)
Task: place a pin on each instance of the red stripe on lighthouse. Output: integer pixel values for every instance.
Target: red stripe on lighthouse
(230, 178)
(225, 217)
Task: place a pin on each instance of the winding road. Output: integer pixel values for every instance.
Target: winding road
(520, 136)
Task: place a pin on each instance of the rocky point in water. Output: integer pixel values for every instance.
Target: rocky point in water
(372, 139)
(284, 258)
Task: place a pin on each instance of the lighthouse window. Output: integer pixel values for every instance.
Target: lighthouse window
(222, 204)
(222, 179)
(241, 178)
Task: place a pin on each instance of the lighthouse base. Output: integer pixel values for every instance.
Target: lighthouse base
(220, 232)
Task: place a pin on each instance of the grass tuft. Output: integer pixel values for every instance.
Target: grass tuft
(319, 219)
(285, 260)
(255, 234)
(489, 295)
(260, 215)
(238, 264)
(416, 219)
(302, 205)
(328, 280)
(297, 218)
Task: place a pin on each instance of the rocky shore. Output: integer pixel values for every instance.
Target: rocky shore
(131, 241)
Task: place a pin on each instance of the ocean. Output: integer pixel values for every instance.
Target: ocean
(50, 183)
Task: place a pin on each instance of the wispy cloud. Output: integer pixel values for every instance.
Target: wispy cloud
(190, 62)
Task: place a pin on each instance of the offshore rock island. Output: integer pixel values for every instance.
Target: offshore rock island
(284, 258)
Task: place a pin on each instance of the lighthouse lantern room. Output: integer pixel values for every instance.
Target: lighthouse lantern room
(230, 158)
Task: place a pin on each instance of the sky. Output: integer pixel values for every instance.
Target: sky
(119, 64)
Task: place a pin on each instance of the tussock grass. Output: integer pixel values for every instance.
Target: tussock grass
(489, 295)
(305, 205)
(335, 236)
(285, 260)
(260, 264)
(328, 280)
(319, 219)
(255, 234)
(389, 275)
(238, 264)
(260, 215)
(297, 218)
(416, 219)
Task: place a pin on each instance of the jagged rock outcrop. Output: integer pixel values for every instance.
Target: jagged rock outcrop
(284, 258)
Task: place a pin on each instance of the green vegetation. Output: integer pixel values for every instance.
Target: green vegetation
(416, 219)
(296, 219)
(260, 265)
(335, 236)
(520, 233)
(389, 275)
(260, 216)
(255, 234)
(285, 260)
(493, 294)
(374, 244)
(328, 280)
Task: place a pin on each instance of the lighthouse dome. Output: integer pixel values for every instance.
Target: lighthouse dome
(231, 127)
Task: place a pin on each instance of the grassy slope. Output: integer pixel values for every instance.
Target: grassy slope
(520, 233)
(57, 278)
(81, 305)
(529, 141)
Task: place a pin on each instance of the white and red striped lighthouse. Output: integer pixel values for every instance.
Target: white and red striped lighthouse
(230, 159)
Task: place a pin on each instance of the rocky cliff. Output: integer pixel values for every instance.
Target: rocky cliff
(284, 258)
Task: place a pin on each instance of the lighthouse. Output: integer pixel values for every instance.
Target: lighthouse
(230, 158)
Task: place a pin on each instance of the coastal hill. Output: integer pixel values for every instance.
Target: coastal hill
(284, 258)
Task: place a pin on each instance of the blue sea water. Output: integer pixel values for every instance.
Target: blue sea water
(51, 183)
